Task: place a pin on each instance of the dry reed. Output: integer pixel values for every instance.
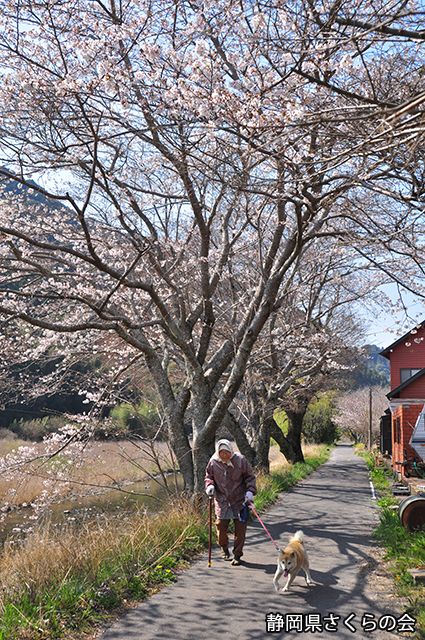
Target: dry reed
(100, 465)
(95, 564)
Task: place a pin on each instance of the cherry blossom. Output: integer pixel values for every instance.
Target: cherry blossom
(188, 162)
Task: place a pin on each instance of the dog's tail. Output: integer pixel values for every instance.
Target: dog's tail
(299, 536)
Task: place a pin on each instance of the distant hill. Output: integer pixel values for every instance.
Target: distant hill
(12, 187)
(374, 370)
(381, 364)
(68, 400)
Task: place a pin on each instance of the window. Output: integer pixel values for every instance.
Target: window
(405, 374)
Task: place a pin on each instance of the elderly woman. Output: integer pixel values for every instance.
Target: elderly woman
(230, 479)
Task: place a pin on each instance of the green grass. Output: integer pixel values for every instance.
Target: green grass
(404, 549)
(61, 583)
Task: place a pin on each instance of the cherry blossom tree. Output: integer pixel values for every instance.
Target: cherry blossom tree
(308, 347)
(183, 158)
(354, 416)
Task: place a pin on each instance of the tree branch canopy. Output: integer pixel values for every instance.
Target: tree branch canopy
(170, 172)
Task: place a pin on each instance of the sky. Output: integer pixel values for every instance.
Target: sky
(385, 328)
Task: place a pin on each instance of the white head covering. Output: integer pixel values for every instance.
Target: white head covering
(223, 444)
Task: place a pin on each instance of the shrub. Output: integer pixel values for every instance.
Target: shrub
(318, 424)
(36, 428)
(141, 419)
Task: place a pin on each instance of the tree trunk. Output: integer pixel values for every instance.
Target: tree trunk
(239, 437)
(295, 419)
(203, 445)
(290, 445)
(262, 444)
(202, 451)
(179, 443)
(174, 411)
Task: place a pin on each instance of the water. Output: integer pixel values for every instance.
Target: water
(148, 494)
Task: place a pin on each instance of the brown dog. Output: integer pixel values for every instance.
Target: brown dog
(291, 560)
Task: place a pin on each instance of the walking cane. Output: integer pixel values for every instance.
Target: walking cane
(210, 538)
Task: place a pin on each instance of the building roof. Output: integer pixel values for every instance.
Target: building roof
(386, 352)
(395, 393)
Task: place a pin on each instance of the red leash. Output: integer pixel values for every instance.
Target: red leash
(262, 524)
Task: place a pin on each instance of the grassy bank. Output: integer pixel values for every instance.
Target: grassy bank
(60, 584)
(404, 550)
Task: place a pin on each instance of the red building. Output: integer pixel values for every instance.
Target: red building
(407, 395)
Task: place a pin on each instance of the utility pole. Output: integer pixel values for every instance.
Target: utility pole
(370, 420)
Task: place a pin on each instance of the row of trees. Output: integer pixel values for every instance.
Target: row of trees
(229, 178)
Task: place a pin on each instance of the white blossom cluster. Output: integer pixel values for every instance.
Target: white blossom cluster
(202, 190)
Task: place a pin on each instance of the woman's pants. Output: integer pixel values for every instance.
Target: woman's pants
(240, 533)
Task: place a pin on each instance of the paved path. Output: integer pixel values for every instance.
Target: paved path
(335, 509)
